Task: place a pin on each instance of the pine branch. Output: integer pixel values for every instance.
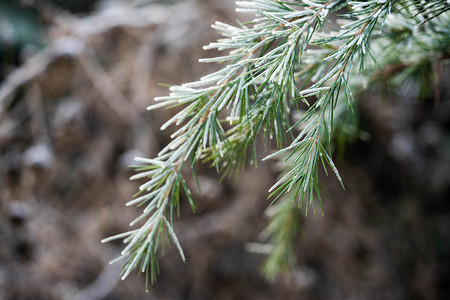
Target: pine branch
(281, 59)
(282, 230)
(309, 147)
(402, 50)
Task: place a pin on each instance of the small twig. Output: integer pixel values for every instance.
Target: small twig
(105, 282)
(35, 104)
(105, 85)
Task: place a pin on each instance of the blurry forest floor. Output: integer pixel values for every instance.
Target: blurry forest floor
(72, 118)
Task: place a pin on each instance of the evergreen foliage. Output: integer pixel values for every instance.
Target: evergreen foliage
(291, 74)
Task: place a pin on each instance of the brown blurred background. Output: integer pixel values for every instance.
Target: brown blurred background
(76, 77)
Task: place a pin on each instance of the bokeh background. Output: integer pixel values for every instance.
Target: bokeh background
(75, 79)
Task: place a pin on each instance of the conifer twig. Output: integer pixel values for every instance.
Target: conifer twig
(281, 60)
